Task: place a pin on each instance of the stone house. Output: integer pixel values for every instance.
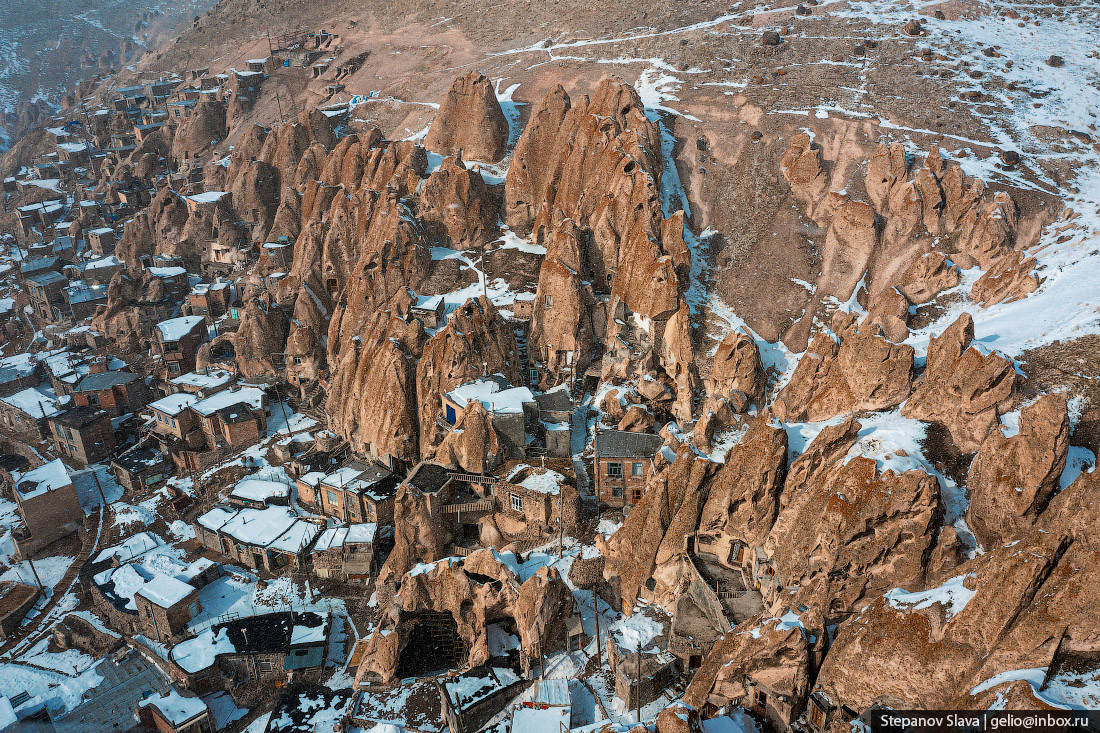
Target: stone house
(358, 492)
(82, 299)
(279, 647)
(114, 391)
(346, 553)
(203, 382)
(468, 701)
(16, 599)
(137, 470)
(556, 422)
(232, 417)
(174, 421)
(46, 291)
(178, 341)
(165, 605)
(83, 434)
(538, 496)
(49, 506)
(210, 299)
(262, 539)
(27, 411)
(173, 712)
(638, 643)
(623, 465)
(101, 240)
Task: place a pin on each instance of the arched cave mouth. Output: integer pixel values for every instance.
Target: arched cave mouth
(434, 645)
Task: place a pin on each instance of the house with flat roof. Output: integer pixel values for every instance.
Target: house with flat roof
(358, 492)
(83, 434)
(175, 712)
(48, 505)
(178, 340)
(27, 412)
(262, 539)
(513, 412)
(203, 382)
(232, 417)
(348, 553)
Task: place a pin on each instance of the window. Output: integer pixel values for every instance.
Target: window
(297, 360)
(617, 492)
(265, 666)
(517, 502)
(549, 299)
(193, 609)
(636, 495)
(760, 699)
(635, 469)
(331, 497)
(534, 375)
(174, 367)
(615, 470)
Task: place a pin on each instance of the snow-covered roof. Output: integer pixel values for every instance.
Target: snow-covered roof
(541, 720)
(176, 328)
(251, 489)
(165, 591)
(492, 395)
(274, 527)
(133, 546)
(544, 482)
(110, 261)
(251, 396)
(177, 709)
(33, 402)
(174, 404)
(312, 478)
(469, 689)
(195, 655)
(334, 538)
(209, 197)
(167, 272)
(205, 379)
(49, 477)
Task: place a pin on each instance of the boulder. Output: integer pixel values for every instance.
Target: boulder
(1010, 278)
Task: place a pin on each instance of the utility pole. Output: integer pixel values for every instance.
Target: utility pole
(638, 682)
(596, 466)
(95, 476)
(35, 573)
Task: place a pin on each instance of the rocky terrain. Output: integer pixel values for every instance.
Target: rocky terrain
(811, 291)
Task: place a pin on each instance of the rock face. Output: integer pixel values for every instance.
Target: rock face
(473, 446)
(475, 591)
(653, 533)
(767, 651)
(1012, 479)
(964, 387)
(201, 130)
(852, 368)
(470, 119)
(457, 207)
(617, 241)
(1010, 278)
(847, 531)
(743, 500)
(737, 368)
(888, 242)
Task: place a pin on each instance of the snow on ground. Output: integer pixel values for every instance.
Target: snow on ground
(952, 594)
(50, 571)
(56, 689)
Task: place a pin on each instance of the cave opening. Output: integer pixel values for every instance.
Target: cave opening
(434, 644)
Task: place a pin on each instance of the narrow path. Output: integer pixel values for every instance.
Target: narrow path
(47, 615)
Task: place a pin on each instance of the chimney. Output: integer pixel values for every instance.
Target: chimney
(98, 365)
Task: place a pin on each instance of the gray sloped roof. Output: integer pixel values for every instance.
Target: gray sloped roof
(623, 444)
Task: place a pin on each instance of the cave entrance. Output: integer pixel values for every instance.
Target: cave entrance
(434, 644)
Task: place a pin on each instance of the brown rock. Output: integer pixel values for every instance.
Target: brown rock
(1010, 278)
(470, 120)
(963, 387)
(927, 277)
(457, 207)
(737, 367)
(1011, 480)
